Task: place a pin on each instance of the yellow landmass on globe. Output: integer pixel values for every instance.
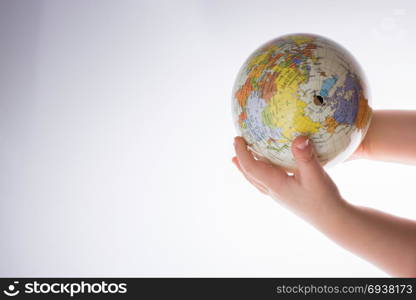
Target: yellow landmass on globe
(261, 58)
(285, 110)
(300, 40)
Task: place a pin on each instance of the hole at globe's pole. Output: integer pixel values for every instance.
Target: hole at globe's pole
(318, 100)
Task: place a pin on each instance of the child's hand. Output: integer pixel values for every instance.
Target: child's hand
(385, 240)
(309, 192)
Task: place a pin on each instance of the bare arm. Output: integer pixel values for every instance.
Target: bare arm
(391, 137)
(387, 241)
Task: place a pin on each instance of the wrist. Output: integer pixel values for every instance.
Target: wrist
(330, 214)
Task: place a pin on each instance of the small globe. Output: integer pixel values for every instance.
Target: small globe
(301, 84)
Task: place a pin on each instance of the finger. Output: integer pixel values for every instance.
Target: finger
(261, 158)
(308, 166)
(249, 177)
(266, 173)
(260, 187)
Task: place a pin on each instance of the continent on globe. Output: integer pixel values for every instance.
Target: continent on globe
(301, 84)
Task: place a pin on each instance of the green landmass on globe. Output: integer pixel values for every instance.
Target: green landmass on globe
(301, 84)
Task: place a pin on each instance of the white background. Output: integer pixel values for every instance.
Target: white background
(116, 137)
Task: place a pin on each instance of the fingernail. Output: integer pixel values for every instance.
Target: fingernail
(303, 145)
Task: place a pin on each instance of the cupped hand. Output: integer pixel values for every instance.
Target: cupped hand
(309, 192)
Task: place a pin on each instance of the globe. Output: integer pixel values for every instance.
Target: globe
(301, 84)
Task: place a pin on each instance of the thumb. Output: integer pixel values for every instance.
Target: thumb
(307, 163)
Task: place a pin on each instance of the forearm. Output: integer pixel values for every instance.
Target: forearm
(391, 136)
(387, 241)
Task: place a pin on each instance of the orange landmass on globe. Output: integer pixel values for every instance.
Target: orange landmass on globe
(256, 70)
(257, 66)
(364, 112)
(243, 93)
(241, 118)
(307, 51)
(267, 86)
(331, 124)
